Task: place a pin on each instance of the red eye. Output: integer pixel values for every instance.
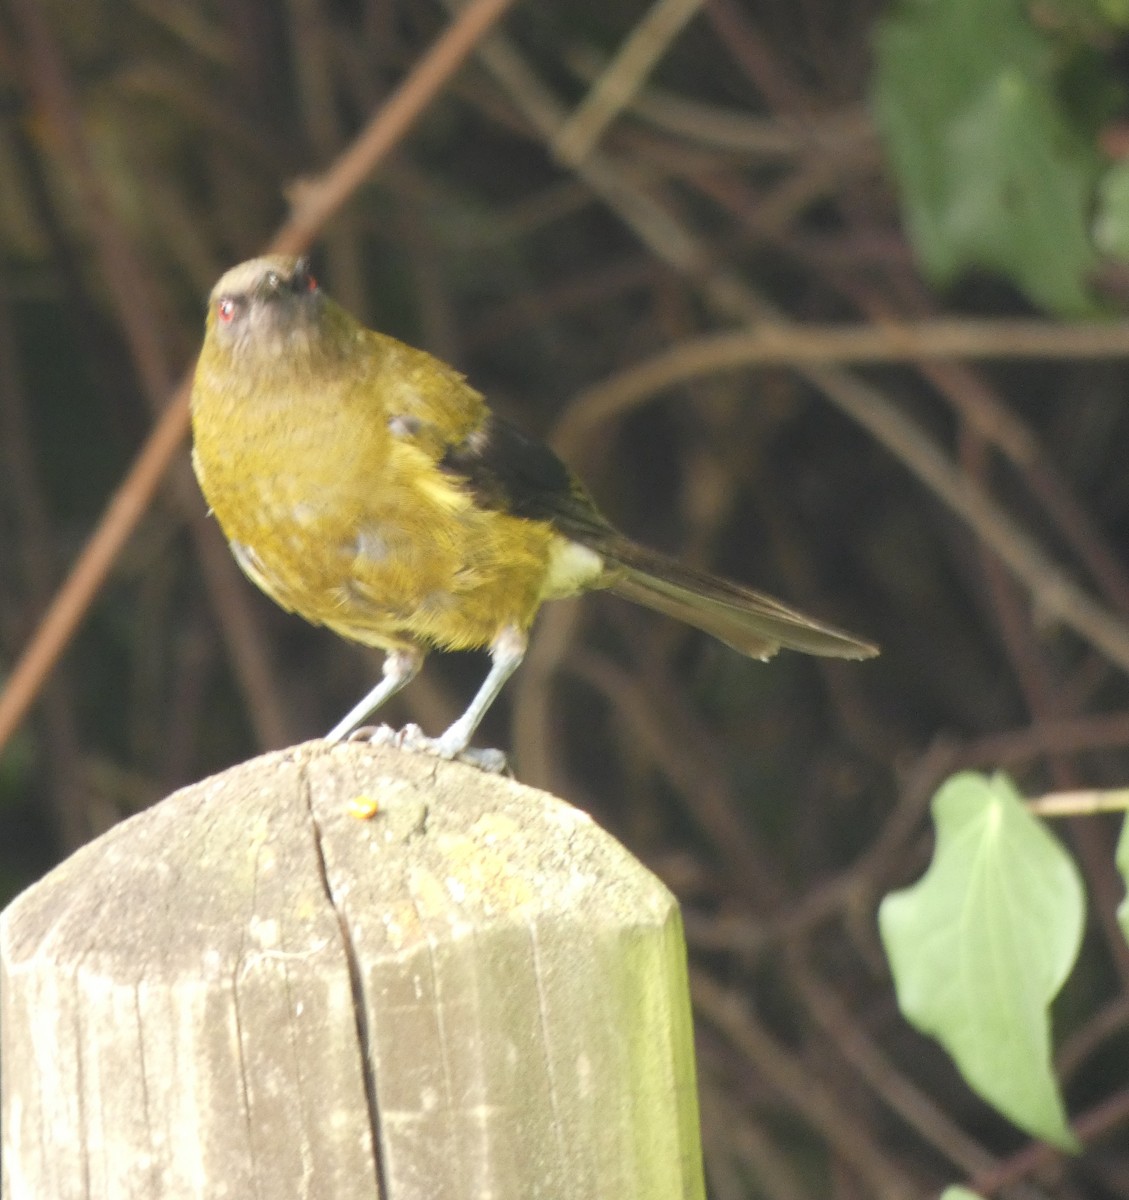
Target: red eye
(225, 309)
(300, 279)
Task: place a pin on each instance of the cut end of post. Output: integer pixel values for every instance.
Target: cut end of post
(476, 989)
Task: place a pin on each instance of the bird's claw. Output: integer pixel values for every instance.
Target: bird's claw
(493, 762)
(375, 735)
(413, 739)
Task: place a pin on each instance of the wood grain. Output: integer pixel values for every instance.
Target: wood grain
(247, 991)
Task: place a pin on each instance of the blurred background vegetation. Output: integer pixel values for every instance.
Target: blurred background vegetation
(801, 163)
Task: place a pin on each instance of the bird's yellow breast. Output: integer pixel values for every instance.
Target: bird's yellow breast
(351, 527)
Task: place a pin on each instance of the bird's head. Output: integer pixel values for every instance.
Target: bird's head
(270, 307)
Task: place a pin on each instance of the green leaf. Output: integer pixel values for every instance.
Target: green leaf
(981, 944)
(992, 172)
(960, 1193)
(1123, 867)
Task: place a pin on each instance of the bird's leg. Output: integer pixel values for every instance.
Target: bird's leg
(400, 667)
(506, 654)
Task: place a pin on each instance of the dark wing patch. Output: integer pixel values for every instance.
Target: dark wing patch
(506, 470)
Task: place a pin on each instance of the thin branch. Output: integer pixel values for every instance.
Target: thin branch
(686, 762)
(729, 1013)
(1109, 1022)
(624, 76)
(1083, 802)
(316, 202)
(989, 415)
(736, 130)
(883, 342)
(904, 1097)
(1095, 1123)
(1054, 595)
(1073, 735)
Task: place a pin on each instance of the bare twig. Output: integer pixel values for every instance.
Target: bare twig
(884, 342)
(316, 202)
(1073, 735)
(623, 77)
(696, 772)
(1093, 1124)
(1107, 1023)
(734, 130)
(852, 1141)
(1081, 803)
(848, 1037)
(756, 57)
(987, 413)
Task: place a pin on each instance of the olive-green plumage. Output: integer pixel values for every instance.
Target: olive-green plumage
(365, 486)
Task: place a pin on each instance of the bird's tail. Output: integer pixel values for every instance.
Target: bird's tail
(749, 621)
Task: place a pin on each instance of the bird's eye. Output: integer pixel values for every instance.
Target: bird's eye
(225, 309)
(302, 280)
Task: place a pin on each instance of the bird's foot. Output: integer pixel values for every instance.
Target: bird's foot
(374, 735)
(413, 739)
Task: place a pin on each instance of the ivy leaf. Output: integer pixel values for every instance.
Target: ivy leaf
(982, 943)
(993, 173)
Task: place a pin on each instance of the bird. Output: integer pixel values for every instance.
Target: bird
(366, 486)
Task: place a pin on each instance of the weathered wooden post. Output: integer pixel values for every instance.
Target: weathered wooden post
(248, 992)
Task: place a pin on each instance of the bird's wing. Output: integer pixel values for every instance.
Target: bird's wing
(508, 471)
(425, 402)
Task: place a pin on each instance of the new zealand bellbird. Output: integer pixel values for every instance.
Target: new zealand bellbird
(366, 486)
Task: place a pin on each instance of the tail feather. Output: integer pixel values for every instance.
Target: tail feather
(748, 621)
